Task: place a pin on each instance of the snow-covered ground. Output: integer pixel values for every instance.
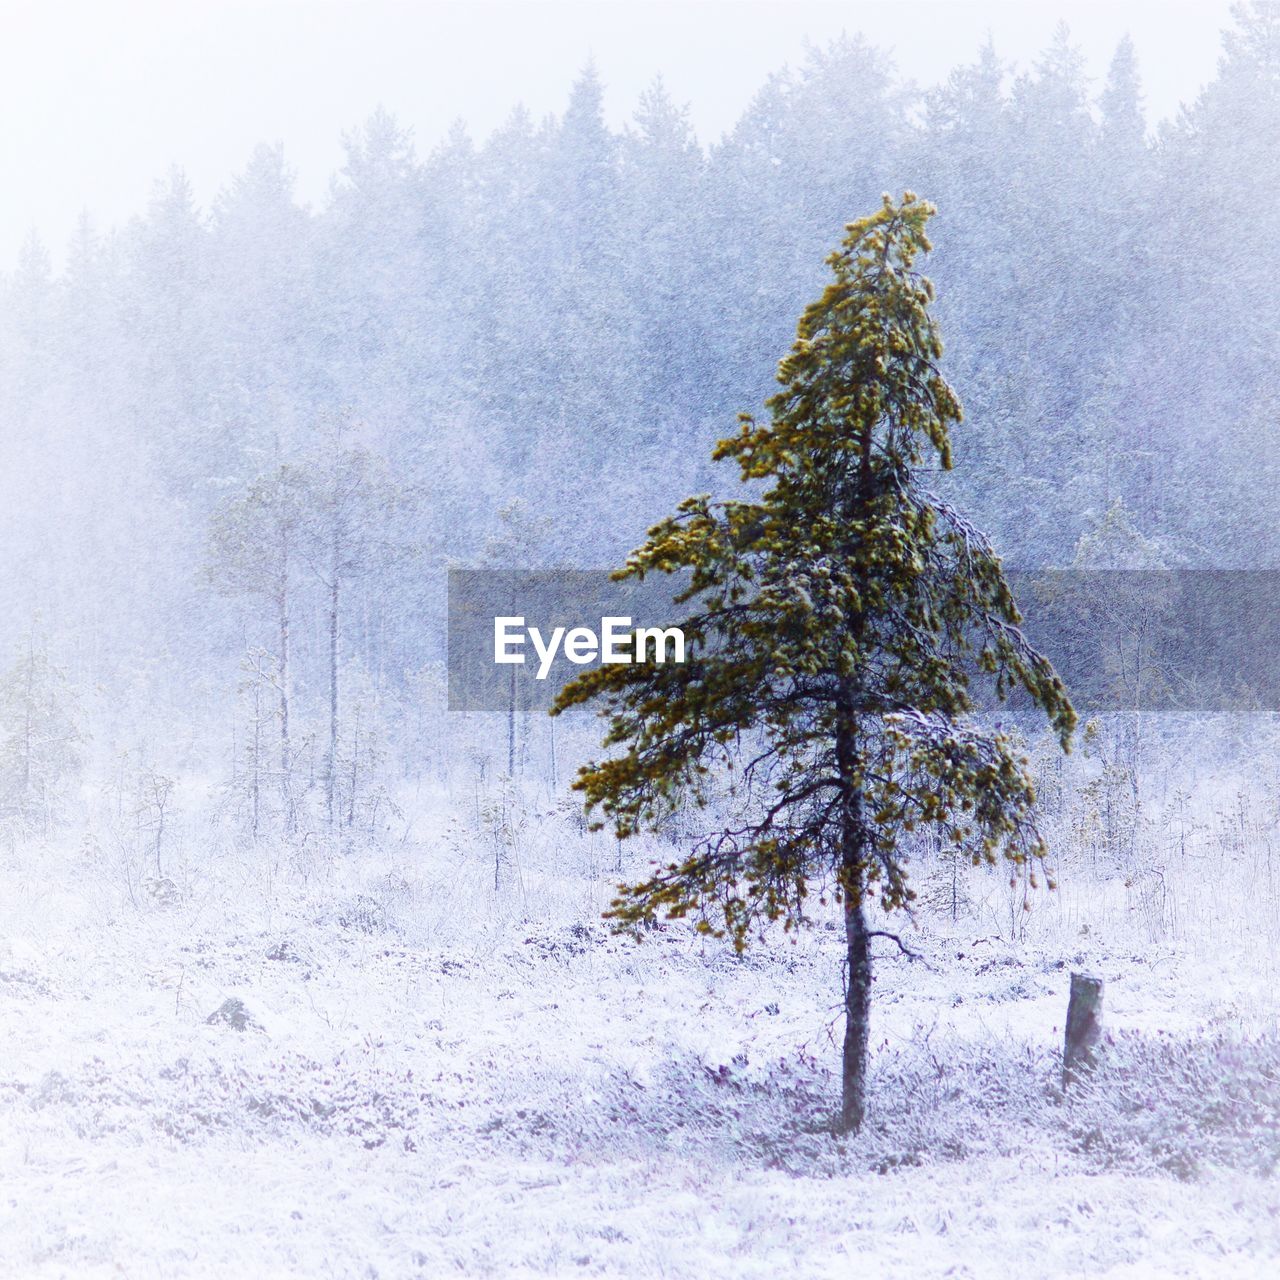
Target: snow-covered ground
(435, 1079)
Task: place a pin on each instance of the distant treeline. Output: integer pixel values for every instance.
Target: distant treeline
(542, 333)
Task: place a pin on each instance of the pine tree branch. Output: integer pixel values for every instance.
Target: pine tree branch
(893, 937)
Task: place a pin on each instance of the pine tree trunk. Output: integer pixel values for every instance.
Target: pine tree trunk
(355, 768)
(286, 764)
(256, 775)
(28, 734)
(857, 1011)
(857, 992)
(331, 763)
(511, 726)
(853, 840)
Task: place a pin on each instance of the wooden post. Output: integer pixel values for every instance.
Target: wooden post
(1084, 1027)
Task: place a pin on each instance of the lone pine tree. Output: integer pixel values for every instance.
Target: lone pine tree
(835, 625)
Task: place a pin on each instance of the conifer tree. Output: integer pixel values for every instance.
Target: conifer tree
(835, 624)
(40, 739)
(348, 503)
(253, 545)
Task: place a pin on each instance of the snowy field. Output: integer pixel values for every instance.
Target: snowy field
(434, 1078)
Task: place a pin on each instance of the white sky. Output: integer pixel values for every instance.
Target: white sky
(97, 99)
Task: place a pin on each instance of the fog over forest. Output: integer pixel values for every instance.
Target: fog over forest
(241, 446)
(567, 318)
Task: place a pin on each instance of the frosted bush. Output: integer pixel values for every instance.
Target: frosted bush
(1180, 1104)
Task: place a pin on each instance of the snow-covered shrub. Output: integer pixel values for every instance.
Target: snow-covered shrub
(776, 1116)
(364, 914)
(956, 1099)
(1156, 1104)
(1181, 1103)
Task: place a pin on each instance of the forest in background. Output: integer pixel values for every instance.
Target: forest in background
(517, 351)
